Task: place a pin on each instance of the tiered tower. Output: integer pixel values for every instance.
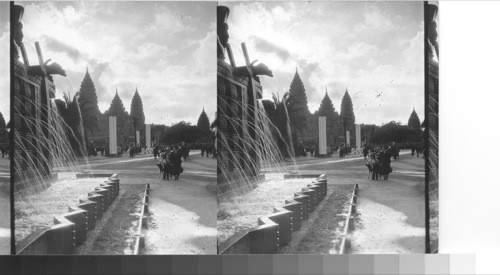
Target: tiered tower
(347, 120)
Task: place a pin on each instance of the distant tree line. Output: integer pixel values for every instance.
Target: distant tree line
(81, 113)
(291, 117)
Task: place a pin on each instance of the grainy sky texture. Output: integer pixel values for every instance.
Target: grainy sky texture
(166, 49)
(4, 61)
(375, 49)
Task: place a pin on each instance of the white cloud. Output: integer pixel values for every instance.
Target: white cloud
(375, 20)
(164, 49)
(169, 22)
(369, 47)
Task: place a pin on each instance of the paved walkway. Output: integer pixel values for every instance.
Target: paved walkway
(391, 214)
(183, 219)
(183, 212)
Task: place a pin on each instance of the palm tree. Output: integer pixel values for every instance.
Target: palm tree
(69, 111)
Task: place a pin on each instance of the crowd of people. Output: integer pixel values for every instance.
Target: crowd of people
(4, 150)
(378, 161)
(170, 160)
(305, 150)
(416, 149)
(208, 150)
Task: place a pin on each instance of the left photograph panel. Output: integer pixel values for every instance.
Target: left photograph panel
(114, 118)
(5, 233)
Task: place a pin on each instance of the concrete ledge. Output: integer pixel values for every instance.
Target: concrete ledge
(312, 198)
(70, 229)
(265, 238)
(99, 201)
(299, 176)
(306, 202)
(105, 197)
(296, 219)
(92, 175)
(78, 217)
(283, 218)
(90, 207)
(239, 243)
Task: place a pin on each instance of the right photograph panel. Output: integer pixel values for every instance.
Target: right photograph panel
(432, 123)
(321, 130)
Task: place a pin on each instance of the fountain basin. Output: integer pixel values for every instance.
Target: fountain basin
(235, 183)
(87, 174)
(242, 212)
(37, 211)
(299, 175)
(31, 183)
(274, 230)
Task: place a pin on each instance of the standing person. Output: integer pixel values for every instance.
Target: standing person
(208, 150)
(176, 163)
(365, 152)
(374, 160)
(161, 164)
(412, 148)
(202, 150)
(369, 163)
(385, 161)
(418, 150)
(185, 152)
(155, 151)
(167, 168)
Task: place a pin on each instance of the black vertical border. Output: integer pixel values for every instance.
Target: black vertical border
(11, 136)
(426, 130)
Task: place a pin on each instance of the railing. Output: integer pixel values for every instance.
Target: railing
(349, 224)
(140, 240)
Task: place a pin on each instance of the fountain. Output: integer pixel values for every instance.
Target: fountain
(257, 214)
(241, 144)
(52, 217)
(37, 125)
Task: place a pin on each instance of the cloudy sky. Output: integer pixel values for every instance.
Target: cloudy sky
(166, 49)
(375, 49)
(4, 61)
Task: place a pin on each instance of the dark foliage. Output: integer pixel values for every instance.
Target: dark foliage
(137, 118)
(414, 121)
(122, 119)
(180, 132)
(88, 104)
(69, 110)
(395, 132)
